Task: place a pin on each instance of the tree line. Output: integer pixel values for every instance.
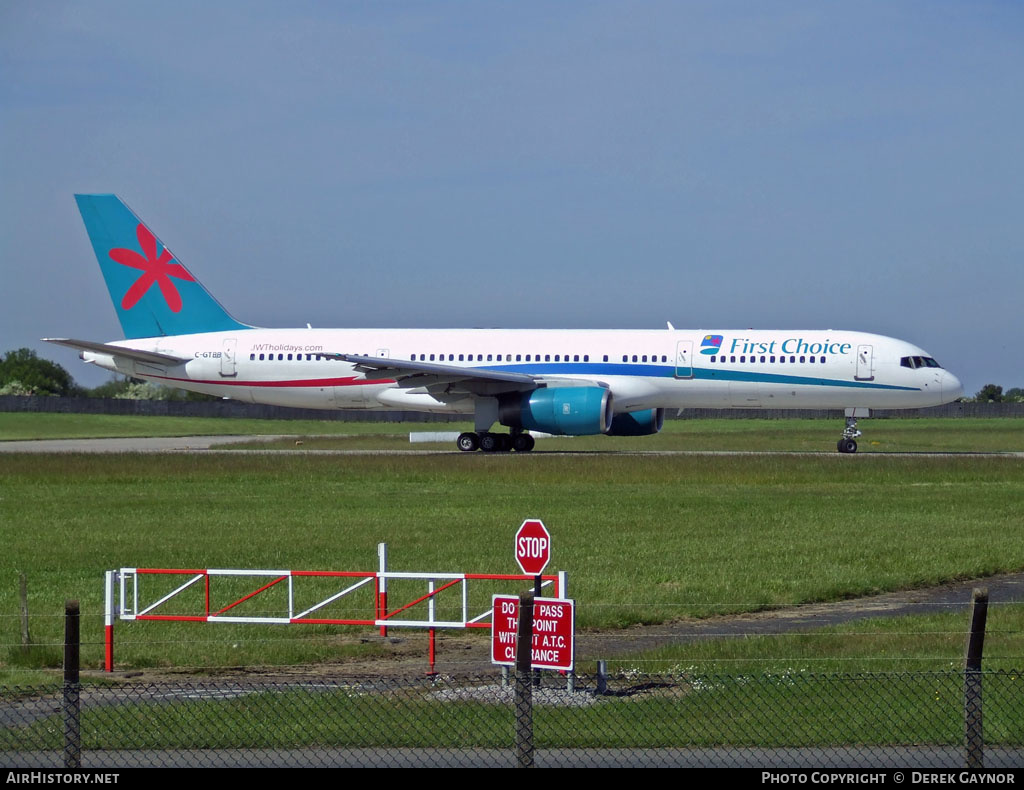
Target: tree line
(23, 372)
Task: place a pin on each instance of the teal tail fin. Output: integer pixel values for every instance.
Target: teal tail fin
(153, 293)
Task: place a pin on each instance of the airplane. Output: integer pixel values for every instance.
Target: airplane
(561, 382)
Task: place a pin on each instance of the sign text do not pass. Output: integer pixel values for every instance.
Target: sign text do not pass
(552, 643)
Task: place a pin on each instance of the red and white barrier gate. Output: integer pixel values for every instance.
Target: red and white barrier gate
(126, 598)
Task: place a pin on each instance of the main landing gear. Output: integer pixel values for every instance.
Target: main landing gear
(848, 443)
(495, 442)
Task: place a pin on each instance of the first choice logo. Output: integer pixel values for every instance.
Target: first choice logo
(791, 345)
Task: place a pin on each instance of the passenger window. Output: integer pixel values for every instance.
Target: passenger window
(547, 357)
(644, 358)
(625, 358)
(801, 360)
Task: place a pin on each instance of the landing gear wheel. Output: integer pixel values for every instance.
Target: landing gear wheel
(504, 442)
(468, 442)
(848, 444)
(490, 442)
(522, 443)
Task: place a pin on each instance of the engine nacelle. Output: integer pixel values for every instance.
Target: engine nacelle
(637, 423)
(568, 411)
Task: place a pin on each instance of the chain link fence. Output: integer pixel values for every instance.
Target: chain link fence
(797, 720)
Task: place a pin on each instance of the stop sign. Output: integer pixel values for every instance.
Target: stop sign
(533, 547)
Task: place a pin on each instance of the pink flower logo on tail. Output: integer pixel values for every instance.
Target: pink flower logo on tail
(155, 270)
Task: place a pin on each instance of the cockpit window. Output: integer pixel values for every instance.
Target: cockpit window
(919, 362)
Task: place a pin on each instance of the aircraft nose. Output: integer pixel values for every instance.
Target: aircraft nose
(951, 387)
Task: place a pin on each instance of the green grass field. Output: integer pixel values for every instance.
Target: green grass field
(793, 709)
(645, 539)
(22, 426)
(919, 643)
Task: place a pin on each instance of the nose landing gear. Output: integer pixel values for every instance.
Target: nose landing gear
(848, 443)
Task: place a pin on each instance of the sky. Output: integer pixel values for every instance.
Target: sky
(790, 165)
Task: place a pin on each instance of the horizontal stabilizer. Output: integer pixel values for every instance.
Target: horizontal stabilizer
(150, 357)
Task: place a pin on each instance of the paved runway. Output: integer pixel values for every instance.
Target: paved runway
(214, 444)
(140, 444)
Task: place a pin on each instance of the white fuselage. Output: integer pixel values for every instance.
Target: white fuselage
(643, 369)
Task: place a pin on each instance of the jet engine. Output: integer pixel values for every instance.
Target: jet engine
(637, 423)
(569, 411)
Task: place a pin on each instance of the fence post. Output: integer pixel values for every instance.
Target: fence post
(109, 615)
(974, 745)
(602, 677)
(26, 639)
(524, 684)
(563, 592)
(71, 707)
(382, 585)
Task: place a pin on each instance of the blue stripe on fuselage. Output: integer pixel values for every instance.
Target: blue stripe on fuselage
(668, 372)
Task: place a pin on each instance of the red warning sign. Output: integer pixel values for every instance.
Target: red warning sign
(533, 546)
(554, 630)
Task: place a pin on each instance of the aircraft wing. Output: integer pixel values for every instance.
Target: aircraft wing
(434, 377)
(149, 357)
(400, 369)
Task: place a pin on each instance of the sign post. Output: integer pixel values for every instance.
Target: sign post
(533, 553)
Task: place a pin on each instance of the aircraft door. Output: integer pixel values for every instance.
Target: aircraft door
(865, 364)
(684, 359)
(227, 358)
